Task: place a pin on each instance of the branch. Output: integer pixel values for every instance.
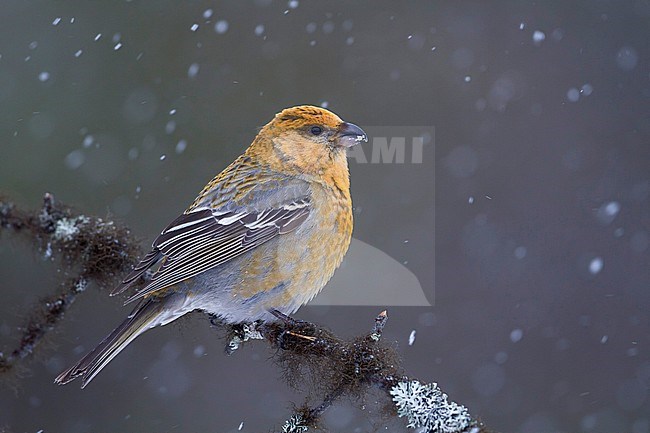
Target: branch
(95, 250)
(310, 356)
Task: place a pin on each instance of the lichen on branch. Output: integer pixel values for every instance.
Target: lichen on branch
(91, 248)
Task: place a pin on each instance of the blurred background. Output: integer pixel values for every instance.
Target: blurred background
(526, 223)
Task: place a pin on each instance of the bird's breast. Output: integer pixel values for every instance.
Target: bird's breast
(291, 269)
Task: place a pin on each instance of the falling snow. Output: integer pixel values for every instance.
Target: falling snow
(88, 141)
(221, 27)
(328, 27)
(596, 265)
(199, 351)
(412, 338)
(607, 212)
(520, 252)
(573, 94)
(516, 335)
(193, 70)
(181, 146)
(133, 154)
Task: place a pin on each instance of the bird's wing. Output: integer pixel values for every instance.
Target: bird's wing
(203, 238)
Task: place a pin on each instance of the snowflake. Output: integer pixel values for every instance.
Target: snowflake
(426, 406)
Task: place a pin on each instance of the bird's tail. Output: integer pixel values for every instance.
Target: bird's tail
(149, 313)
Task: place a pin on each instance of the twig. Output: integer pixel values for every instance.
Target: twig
(380, 322)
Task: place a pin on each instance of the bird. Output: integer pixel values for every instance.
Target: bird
(263, 237)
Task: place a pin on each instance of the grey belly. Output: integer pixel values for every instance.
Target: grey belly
(212, 291)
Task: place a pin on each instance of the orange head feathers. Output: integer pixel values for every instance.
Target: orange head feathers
(307, 140)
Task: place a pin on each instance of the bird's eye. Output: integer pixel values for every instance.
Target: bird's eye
(316, 130)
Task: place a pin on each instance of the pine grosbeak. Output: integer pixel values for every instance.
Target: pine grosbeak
(266, 234)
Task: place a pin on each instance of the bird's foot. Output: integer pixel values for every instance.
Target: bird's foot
(294, 328)
(288, 320)
(215, 320)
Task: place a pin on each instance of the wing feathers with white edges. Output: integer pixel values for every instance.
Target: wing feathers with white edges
(204, 238)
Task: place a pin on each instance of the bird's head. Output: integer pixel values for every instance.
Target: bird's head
(311, 126)
(309, 138)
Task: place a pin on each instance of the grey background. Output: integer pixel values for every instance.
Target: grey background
(520, 331)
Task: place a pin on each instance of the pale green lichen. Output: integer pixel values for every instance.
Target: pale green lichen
(66, 228)
(426, 406)
(295, 424)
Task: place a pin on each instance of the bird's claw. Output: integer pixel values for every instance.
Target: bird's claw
(288, 320)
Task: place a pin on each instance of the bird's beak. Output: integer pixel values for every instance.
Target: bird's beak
(350, 135)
